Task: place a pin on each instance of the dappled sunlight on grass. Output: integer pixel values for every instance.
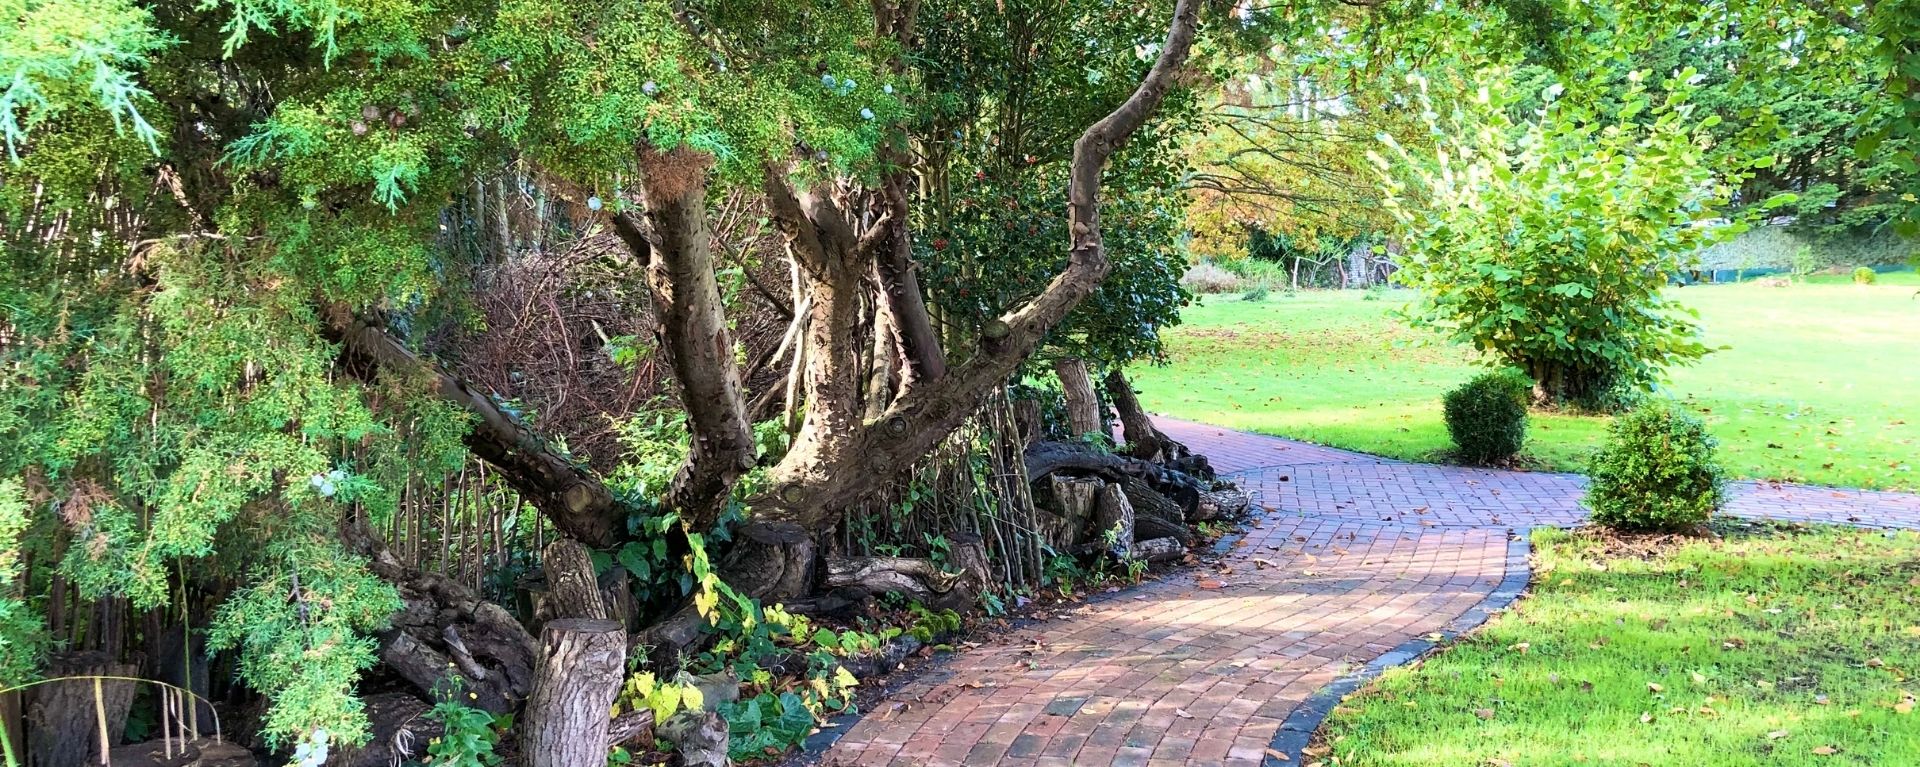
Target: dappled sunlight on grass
(1768, 648)
(1814, 385)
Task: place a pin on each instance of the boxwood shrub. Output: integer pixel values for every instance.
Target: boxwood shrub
(1487, 416)
(1655, 472)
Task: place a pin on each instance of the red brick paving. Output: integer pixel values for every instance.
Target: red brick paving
(1350, 556)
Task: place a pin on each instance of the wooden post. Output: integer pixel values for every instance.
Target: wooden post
(579, 674)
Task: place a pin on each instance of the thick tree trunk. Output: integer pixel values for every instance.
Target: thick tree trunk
(817, 480)
(572, 589)
(581, 662)
(900, 287)
(66, 720)
(693, 322)
(1083, 406)
(1144, 441)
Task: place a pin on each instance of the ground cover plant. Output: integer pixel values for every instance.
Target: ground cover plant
(1771, 646)
(1812, 385)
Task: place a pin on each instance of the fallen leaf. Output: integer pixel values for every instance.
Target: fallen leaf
(1652, 687)
(1522, 647)
(1646, 717)
(1279, 756)
(1182, 713)
(1208, 583)
(1777, 734)
(1483, 713)
(1826, 750)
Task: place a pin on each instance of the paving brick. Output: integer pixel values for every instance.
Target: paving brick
(1347, 557)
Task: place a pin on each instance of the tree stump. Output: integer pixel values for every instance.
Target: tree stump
(1220, 504)
(65, 718)
(578, 675)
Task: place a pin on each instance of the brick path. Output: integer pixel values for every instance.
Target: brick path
(1351, 559)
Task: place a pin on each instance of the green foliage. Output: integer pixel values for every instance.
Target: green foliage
(1487, 416)
(21, 631)
(1657, 471)
(1864, 275)
(1255, 293)
(1547, 244)
(467, 737)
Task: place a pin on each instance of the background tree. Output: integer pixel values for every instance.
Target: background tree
(1548, 244)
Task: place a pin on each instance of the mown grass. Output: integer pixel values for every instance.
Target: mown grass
(1774, 648)
(1816, 383)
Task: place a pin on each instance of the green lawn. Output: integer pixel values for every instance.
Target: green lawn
(1818, 383)
(1769, 647)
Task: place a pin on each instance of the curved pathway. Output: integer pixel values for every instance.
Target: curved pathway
(1351, 563)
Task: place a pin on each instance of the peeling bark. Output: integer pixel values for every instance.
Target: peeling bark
(676, 245)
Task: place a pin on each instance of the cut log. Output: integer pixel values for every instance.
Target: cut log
(1159, 549)
(919, 579)
(63, 721)
(1045, 458)
(444, 630)
(1220, 504)
(1150, 503)
(1073, 506)
(1113, 523)
(1146, 527)
(581, 664)
(631, 730)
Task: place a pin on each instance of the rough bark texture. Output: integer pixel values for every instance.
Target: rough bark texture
(1075, 499)
(919, 579)
(572, 589)
(1143, 440)
(444, 629)
(693, 323)
(1113, 522)
(1083, 406)
(63, 722)
(1220, 504)
(1160, 549)
(815, 482)
(580, 671)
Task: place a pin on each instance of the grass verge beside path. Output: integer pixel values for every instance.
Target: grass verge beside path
(1773, 646)
(1816, 385)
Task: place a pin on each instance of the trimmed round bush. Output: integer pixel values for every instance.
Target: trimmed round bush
(1656, 471)
(1863, 275)
(1487, 416)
